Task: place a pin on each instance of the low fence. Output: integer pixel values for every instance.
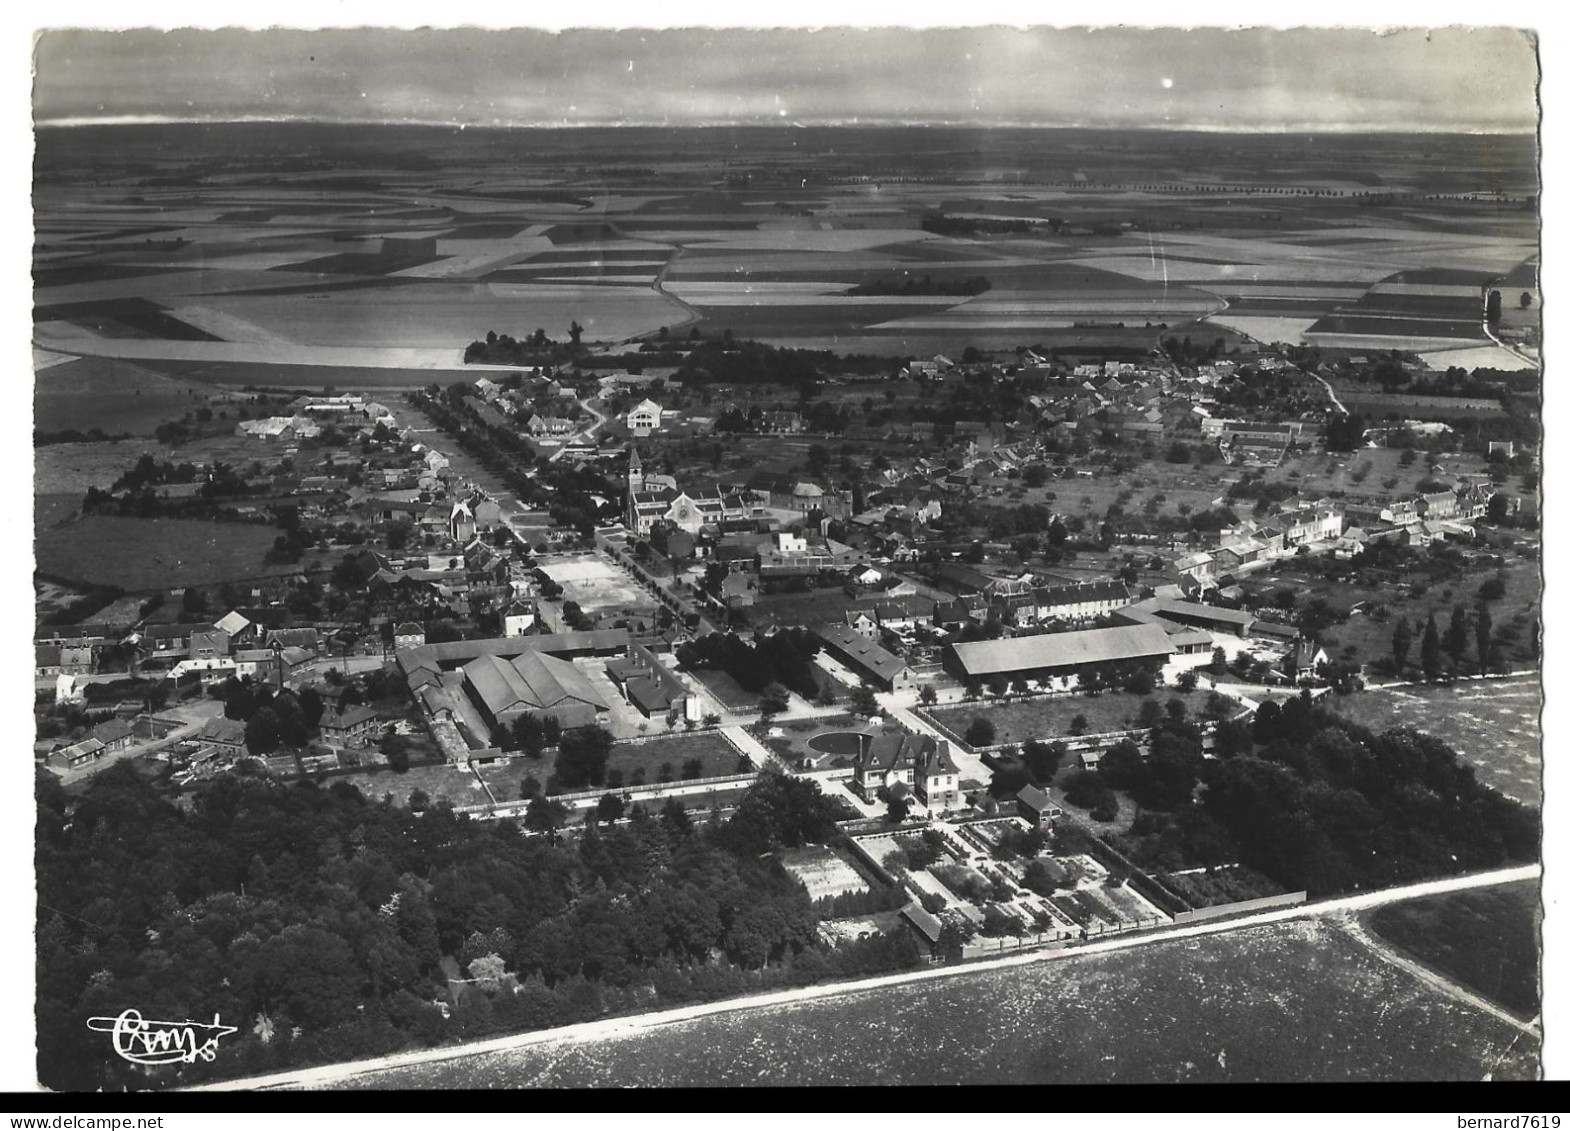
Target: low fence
(1242, 907)
(1074, 743)
(654, 789)
(636, 793)
(983, 947)
(878, 829)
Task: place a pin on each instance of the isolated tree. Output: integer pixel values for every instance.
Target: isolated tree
(981, 732)
(1078, 725)
(775, 698)
(1430, 658)
(1401, 643)
(262, 732)
(1483, 629)
(929, 694)
(1456, 635)
(1494, 307)
(899, 809)
(864, 701)
(529, 735)
(395, 748)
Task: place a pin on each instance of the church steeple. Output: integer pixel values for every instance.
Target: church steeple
(634, 485)
(634, 471)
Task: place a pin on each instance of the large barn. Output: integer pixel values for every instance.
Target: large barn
(1061, 654)
(532, 683)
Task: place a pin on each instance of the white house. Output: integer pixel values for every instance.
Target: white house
(644, 417)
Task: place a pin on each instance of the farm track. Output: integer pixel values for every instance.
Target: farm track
(331, 1075)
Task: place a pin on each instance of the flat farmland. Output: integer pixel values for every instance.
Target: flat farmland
(1494, 724)
(70, 469)
(143, 554)
(1486, 939)
(115, 396)
(1286, 1002)
(436, 315)
(291, 376)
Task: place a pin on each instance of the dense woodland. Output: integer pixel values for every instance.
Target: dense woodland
(326, 926)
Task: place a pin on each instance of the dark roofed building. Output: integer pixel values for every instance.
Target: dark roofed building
(1212, 617)
(962, 580)
(46, 660)
(353, 727)
(871, 661)
(115, 734)
(927, 926)
(647, 683)
(1036, 807)
(1078, 601)
(227, 736)
(75, 757)
(308, 638)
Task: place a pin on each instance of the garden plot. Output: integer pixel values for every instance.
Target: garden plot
(432, 315)
(823, 872)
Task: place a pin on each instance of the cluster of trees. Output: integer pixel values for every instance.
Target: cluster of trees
(271, 718)
(742, 362)
(945, 225)
(531, 734)
(1461, 631)
(328, 925)
(926, 285)
(817, 417)
(784, 658)
(1185, 351)
(1344, 432)
(535, 349)
(1321, 804)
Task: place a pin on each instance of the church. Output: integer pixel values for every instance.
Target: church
(655, 499)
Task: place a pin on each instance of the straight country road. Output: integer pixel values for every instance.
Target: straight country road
(328, 1076)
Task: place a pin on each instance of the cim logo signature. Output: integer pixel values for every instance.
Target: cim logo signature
(143, 1041)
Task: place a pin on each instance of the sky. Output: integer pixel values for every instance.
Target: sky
(1477, 79)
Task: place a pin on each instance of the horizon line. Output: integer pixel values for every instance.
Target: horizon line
(1344, 128)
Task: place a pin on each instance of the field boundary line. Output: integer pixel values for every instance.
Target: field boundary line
(1354, 927)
